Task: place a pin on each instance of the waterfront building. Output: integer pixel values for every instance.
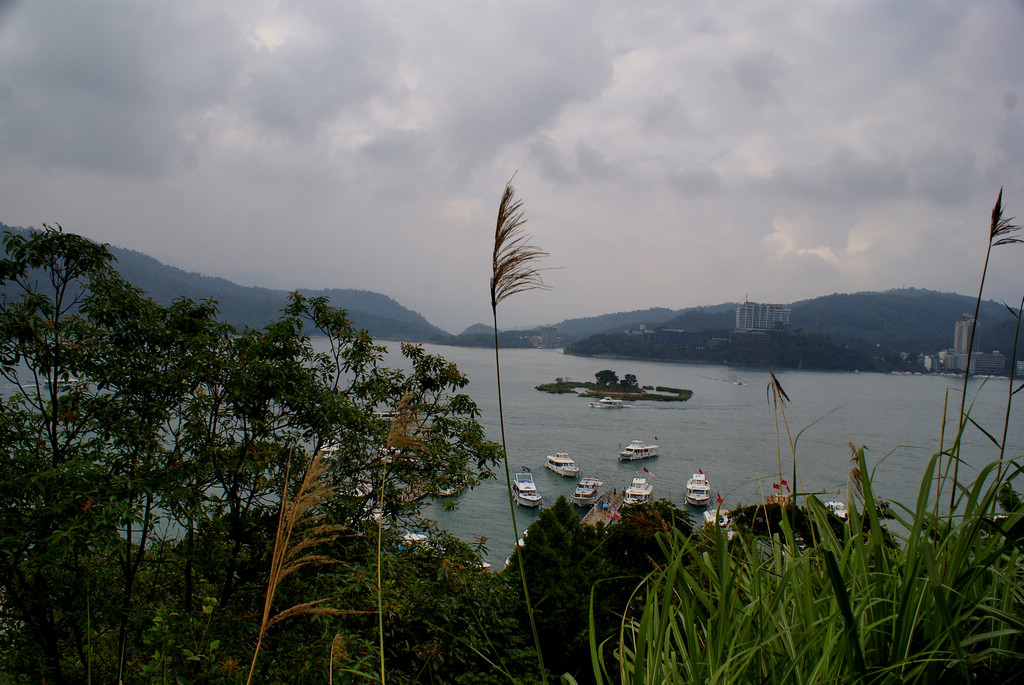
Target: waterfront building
(755, 316)
(988, 363)
(962, 335)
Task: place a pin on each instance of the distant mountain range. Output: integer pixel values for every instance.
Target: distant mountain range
(907, 319)
(246, 306)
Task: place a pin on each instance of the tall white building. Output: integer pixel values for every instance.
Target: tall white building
(962, 335)
(755, 316)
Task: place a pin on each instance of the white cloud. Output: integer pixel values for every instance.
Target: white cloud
(708, 149)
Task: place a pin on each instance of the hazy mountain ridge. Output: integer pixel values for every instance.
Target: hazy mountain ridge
(907, 319)
(255, 307)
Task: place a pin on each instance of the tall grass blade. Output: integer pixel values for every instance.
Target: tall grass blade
(1001, 232)
(513, 270)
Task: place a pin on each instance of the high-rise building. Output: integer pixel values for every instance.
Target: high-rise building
(962, 335)
(755, 316)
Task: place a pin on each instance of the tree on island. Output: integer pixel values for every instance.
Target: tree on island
(630, 381)
(606, 377)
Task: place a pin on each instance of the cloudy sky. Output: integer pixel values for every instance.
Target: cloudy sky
(667, 153)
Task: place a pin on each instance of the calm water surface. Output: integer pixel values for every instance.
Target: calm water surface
(727, 429)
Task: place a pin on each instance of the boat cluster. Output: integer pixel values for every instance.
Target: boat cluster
(588, 489)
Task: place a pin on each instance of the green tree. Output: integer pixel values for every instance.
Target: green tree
(139, 503)
(630, 381)
(606, 377)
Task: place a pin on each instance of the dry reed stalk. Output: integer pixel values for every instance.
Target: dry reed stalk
(405, 436)
(336, 658)
(513, 267)
(298, 534)
(778, 399)
(1001, 232)
(513, 270)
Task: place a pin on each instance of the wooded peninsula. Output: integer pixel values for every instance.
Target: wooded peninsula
(607, 384)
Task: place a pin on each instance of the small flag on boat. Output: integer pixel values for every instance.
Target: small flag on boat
(785, 483)
(718, 497)
(700, 470)
(655, 437)
(645, 470)
(775, 486)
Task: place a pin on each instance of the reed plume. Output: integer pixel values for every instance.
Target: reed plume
(299, 533)
(1001, 232)
(513, 271)
(514, 259)
(406, 433)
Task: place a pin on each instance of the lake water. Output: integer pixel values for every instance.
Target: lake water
(726, 429)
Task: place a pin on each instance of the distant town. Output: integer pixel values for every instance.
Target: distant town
(761, 327)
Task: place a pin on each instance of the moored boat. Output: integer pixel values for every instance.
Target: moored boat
(524, 490)
(839, 509)
(607, 403)
(638, 491)
(587, 491)
(698, 490)
(562, 464)
(638, 449)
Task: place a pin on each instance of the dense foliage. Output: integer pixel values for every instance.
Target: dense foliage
(825, 601)
(583, 577)
(146, 448)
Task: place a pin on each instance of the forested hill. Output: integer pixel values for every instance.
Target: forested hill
(908, 320)
(246, 306)
(582, 327)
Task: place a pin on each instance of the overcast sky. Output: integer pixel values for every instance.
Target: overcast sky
(667, 153)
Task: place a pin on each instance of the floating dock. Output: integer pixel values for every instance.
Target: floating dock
(605, 508)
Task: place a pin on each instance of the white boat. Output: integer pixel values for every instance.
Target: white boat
(638, 491)
(587, 491)
(722, 514)
(524, 490)
(413, 539)
(562, 464)
(607, 403)
(698, 491)
(638, 449)
(838, 508)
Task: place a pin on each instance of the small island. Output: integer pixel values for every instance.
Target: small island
(607, 384)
